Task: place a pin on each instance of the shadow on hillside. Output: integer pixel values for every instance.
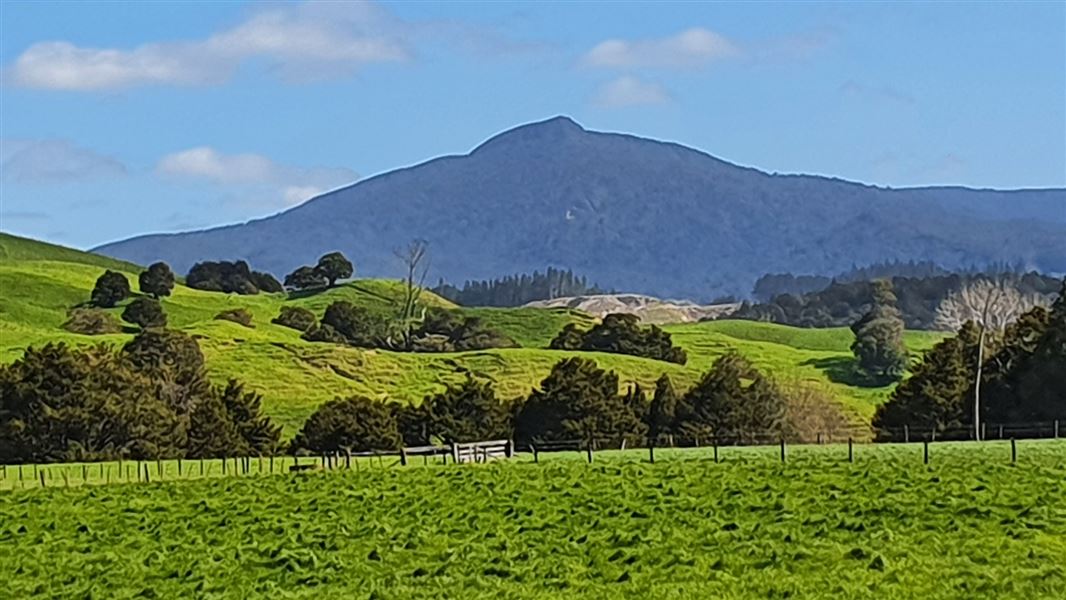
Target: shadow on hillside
(843, 370)
(298, 294)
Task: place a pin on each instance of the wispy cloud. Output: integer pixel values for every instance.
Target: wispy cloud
(300, 41)
(54, 161)
(630, 91)
(691, 48)
(290, 185)
(854, 88)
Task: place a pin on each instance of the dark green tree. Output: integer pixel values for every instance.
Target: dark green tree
(878, 344)
(467, 412)
(578, 401)
(111, 288)
(145, 313)
(157, 280)
(355, 424)
(61, 404)
(296, 317)
(935, 396)
(570, 338)
(334, 266)
(621, 333)
(733, 402)
(229, 422)
(663, 409)
(175, 364)
(305, 278)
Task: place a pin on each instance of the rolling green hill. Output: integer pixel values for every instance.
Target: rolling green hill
(39, 282)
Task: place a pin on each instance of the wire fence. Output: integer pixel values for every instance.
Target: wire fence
(711, 446)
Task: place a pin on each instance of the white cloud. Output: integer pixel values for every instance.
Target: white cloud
(856, 89)
(630, 91)
(46, 161)
(301, 41)
(288, 184)
(691, 48)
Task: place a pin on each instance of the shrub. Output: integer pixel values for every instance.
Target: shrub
(359, 326)
(305, 278)
(241, 316)
(111, 288)
(296, 317)
(91, 321)
(356, 424)
(146, 313)
(812, 412)
(444, 330)
(157, 280)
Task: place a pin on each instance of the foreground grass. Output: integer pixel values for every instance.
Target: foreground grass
(968, 525)
(39, 282)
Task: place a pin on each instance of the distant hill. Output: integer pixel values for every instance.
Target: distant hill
(632, 214)
(295, 376)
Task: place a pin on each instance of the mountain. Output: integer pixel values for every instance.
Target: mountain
(632, 214)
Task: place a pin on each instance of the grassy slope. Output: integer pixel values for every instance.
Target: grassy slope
(38, 282)
(969, 525)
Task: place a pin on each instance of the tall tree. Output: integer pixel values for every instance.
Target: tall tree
(334, 266)
(415, 258)
(733, 402)
(157, 280)
(663, 409)
(111, 288)
(878, 344)
(467, 412)
(991, 304)
(354, 424)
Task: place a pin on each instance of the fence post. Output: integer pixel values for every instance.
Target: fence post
(1013, 452)
(223, 465)
(1056, 429)
(819, 439)
(271, 462)
(984, 432)
(510, 448)
(536, 457)
(41, 472)
(782, 449)
(925, 454)
(1001, 432)
(403, 457)
(455, 453)
(714, 440)
(651, 453)
(851, 451)
(85, 473)
(588, 450)
(348, 458)
(906, 434)
(179, 467)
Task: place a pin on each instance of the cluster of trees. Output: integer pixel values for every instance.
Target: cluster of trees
(150, 400)
(775, 284)
(325, 274)
(110, 289)
(842, 303)
(231, 277)
(733, 402)
(437, 330)
(879, 349)
(516, 290)
(1006, 363)
(620, 333)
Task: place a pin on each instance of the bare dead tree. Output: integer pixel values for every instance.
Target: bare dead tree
(415, 258)
(991, 304)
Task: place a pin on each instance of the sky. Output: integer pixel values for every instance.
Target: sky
(118, 119)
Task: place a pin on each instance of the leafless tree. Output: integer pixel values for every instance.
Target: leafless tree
(991, 304)
(415, 258)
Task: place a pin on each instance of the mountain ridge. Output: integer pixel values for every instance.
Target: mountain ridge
(553, 193)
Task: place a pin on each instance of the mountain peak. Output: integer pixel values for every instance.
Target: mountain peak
(551, 131)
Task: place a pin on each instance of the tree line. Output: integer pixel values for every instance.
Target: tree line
(516, 290)
(1005, 363)
(842, 303)
(733, 402)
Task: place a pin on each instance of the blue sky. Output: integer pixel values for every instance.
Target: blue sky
(118, 118)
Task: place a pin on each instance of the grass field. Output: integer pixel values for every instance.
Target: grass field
(39, 282)
(969, 525)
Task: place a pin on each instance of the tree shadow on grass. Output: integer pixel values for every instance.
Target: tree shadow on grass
(840, 369)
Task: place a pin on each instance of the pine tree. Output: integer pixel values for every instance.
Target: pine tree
(663, 409)
(733, 402)
(878, 344)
